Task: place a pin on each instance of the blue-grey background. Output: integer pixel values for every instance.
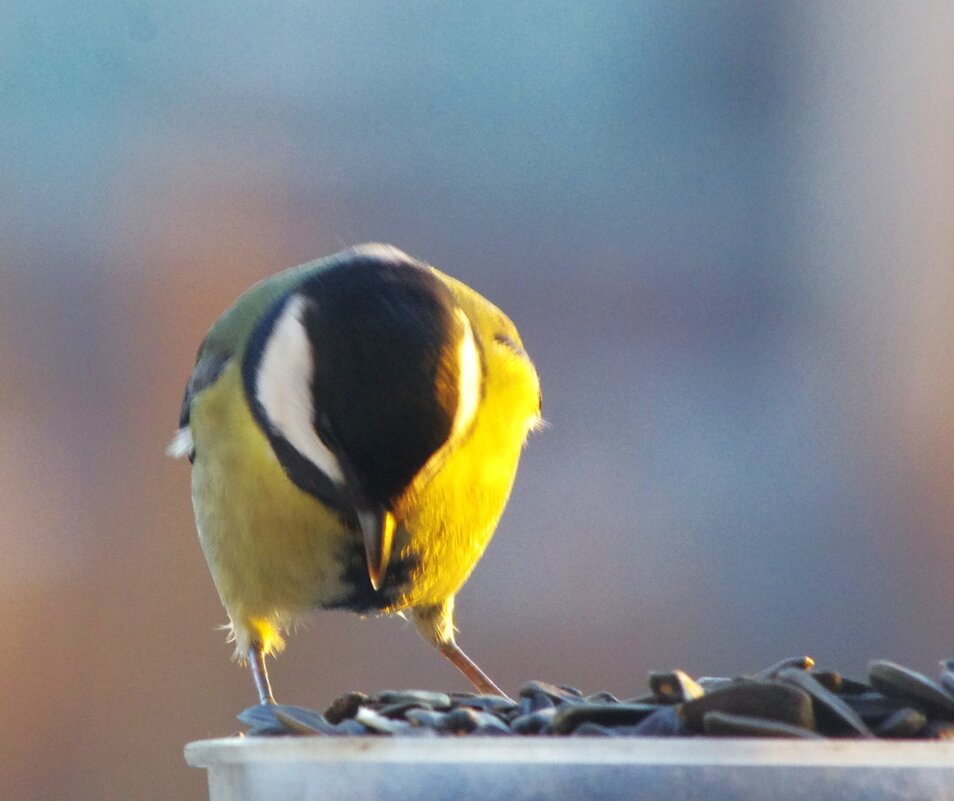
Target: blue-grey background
(725, 229)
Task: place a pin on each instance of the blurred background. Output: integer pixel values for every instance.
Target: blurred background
(726, 230)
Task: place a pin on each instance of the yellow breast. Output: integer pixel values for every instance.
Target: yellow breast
(452, 517)
(273, 550)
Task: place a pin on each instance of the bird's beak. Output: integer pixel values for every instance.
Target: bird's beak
(377, 531)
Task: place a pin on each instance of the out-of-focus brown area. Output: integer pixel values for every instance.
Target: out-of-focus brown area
(724, 230)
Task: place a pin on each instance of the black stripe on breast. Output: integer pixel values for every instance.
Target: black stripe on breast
(361, 596)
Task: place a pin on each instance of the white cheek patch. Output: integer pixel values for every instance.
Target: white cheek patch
(468, 380)
(283, 388)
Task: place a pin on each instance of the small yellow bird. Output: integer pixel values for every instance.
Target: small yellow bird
(354, 426)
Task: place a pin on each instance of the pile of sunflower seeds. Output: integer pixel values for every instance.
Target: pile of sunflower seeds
(790, 699)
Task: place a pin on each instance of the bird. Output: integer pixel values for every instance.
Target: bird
(354, 426)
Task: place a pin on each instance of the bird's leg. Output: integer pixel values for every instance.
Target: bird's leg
(436, 625)
(469, 668)
(256, 663)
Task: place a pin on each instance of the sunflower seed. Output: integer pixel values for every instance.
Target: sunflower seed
(559, 695)
(832, 715)
(771, 700)
(905, 722)
(901, 682)
(601, 697)
(673, 687)
(488, 723)
(400, 709)
(377, 722)
(299, 720)
(345, 707)
(462, 720)
(419, 697)
(533, 723)
(535, 703)
(722, 724)
(490, 703)
(426, 718)
(568, 717)
(259, 715)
